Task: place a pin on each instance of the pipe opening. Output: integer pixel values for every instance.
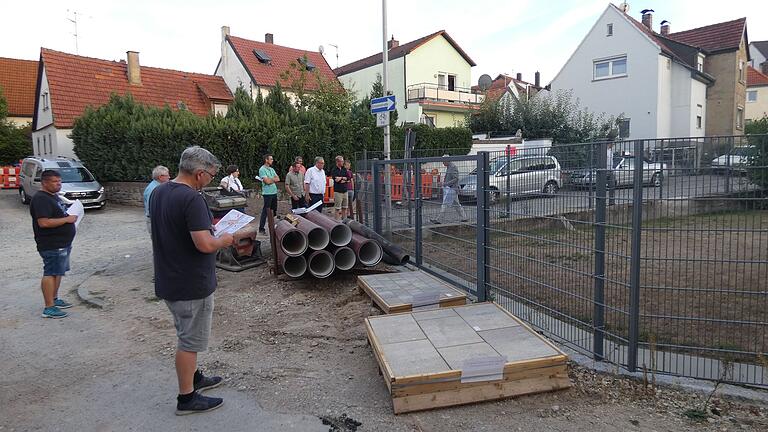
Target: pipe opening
(293, 243)
(370, 253)
(318, 239)
(344, 258)
(321, 264)
(295, 266)
(341, 235)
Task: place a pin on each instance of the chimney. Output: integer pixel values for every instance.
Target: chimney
(537, 80)
(648, 20)
(519, 76)
(134, 69)
(392, 43)
(269, 38)
(224, 34)
(664, 28)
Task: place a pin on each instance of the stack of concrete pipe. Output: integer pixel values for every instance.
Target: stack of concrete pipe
(319, 245)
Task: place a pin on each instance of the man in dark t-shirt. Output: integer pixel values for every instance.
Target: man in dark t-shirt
(341, 178)
(54, 231)
(184, 247)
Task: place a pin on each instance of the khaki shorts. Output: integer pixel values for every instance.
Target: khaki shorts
(192, 319)
(340, 200)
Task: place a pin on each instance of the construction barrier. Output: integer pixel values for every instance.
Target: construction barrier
(328, 198)
(9, 177)
(426, 187)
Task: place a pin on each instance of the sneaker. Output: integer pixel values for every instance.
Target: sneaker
(198, 404)
(53, 312)
(203, 382)
(61, 304)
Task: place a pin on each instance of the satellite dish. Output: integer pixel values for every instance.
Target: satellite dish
(321, 49)
(484, 82)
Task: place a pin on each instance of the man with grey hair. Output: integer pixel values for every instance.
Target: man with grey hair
(184, 248)
(314, 183)
(160, 175)
(450, 192)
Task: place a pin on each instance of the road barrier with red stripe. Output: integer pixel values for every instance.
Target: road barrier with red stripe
(9, 177)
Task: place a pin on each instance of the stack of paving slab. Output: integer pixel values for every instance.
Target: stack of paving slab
(404, 292)
(448, 356)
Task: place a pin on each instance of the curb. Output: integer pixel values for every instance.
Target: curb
(85, 294)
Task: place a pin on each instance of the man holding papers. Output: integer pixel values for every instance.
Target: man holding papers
(185, 270)
(54, 231)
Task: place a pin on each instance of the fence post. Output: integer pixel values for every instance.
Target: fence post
(376, 197)
(418, 234)
(634, 266)
(598, 312)
(482, 225)
(365, 185)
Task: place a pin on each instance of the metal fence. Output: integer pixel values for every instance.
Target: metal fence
(649, 254)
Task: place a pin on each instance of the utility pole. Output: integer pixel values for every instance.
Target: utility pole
(385, 82)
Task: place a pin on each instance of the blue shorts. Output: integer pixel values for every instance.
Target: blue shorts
(55, 261)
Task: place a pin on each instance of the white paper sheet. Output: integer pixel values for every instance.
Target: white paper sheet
(78, 210)
(307, 209)
(231, 222)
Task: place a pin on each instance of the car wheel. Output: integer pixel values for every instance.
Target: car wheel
(23, 196)
(494, 195)
(657, 180)
(551, 188)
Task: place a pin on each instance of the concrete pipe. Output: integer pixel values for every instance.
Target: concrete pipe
(368, 251)
(394, 253)
(341, 235)
(344, 258)
(294, 267)
(320, 264)
(292, 241)
(317, 237)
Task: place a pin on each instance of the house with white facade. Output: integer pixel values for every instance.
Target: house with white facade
(430, 78)
(257, 66)
(67, 84)
(757, 95)
(758, 53)
(622, 68)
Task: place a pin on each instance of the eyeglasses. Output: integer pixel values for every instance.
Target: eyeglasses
(212, 175)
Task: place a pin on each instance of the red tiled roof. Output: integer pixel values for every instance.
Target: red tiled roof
(76, 82)
(755, 77)
(17, 80)
(400, 51)
(500, 83)
(654, 37)
(267, 74)
(715, 37)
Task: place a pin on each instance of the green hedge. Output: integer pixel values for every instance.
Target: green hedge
(123, 140)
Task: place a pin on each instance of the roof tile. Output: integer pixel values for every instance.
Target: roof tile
(755, 77)
(18, 79)
(716, 37)
(76, 82)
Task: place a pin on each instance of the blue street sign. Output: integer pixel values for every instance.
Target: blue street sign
(386, 103)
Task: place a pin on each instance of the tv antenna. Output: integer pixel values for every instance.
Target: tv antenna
(337, 54)
(73, 20)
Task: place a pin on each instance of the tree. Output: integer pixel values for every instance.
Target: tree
(15, 142)
(757, 138)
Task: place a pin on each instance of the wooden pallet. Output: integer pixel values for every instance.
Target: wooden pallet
(406, 291)
(425, 357)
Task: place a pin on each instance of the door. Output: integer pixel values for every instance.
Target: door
(526, 178)
(451, 82)
(441, 82)
(35, 184)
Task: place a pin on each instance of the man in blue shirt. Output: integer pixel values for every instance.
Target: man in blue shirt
(160, 175)
(268, 190)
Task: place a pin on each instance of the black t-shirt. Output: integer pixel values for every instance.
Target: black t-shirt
(45, 205)
(181, 271)
(340, 172)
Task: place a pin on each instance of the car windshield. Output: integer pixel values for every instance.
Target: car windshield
(740, 151)
(75, 175)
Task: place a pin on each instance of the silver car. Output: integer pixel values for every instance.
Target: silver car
(77, 183)
(623, 173)
(527, 175)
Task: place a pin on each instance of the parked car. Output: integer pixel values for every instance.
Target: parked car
(737, 160)
(527, 175)
(623, 172)
(76, 181)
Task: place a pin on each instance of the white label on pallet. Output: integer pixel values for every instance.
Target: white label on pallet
(483, 369)
(425, 299)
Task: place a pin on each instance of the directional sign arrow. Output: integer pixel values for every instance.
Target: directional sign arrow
(386, 103)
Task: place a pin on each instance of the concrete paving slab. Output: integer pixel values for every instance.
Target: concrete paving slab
(449, 331)
(517, 343)
(397, 328)
(486, 316)
(413, 358)
(455, 356)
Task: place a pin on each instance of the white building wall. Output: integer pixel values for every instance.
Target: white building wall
(698, 108)
(664, 105)
(636, 95)
(233, 71)
(63, 144)
(360, 82)
(687, 95)
(44, 116)
(757, 57)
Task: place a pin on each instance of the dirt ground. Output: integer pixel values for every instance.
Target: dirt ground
(707, 268)
(293, 349)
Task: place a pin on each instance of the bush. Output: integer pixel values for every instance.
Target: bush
(757, 132)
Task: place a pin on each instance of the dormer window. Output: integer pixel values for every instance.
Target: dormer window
(700, 63)
(307, 63)
(262, 57)
(46, 104)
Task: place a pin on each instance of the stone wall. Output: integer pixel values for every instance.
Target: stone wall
(126, 193)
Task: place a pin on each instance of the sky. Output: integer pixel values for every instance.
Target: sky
(513, 36)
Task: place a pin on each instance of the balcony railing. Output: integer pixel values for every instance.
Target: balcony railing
(441, 93)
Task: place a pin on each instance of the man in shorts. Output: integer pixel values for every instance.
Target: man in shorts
(341, 177)
(54, 231)
(185, 270)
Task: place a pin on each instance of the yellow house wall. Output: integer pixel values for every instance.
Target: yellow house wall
(758, 109)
